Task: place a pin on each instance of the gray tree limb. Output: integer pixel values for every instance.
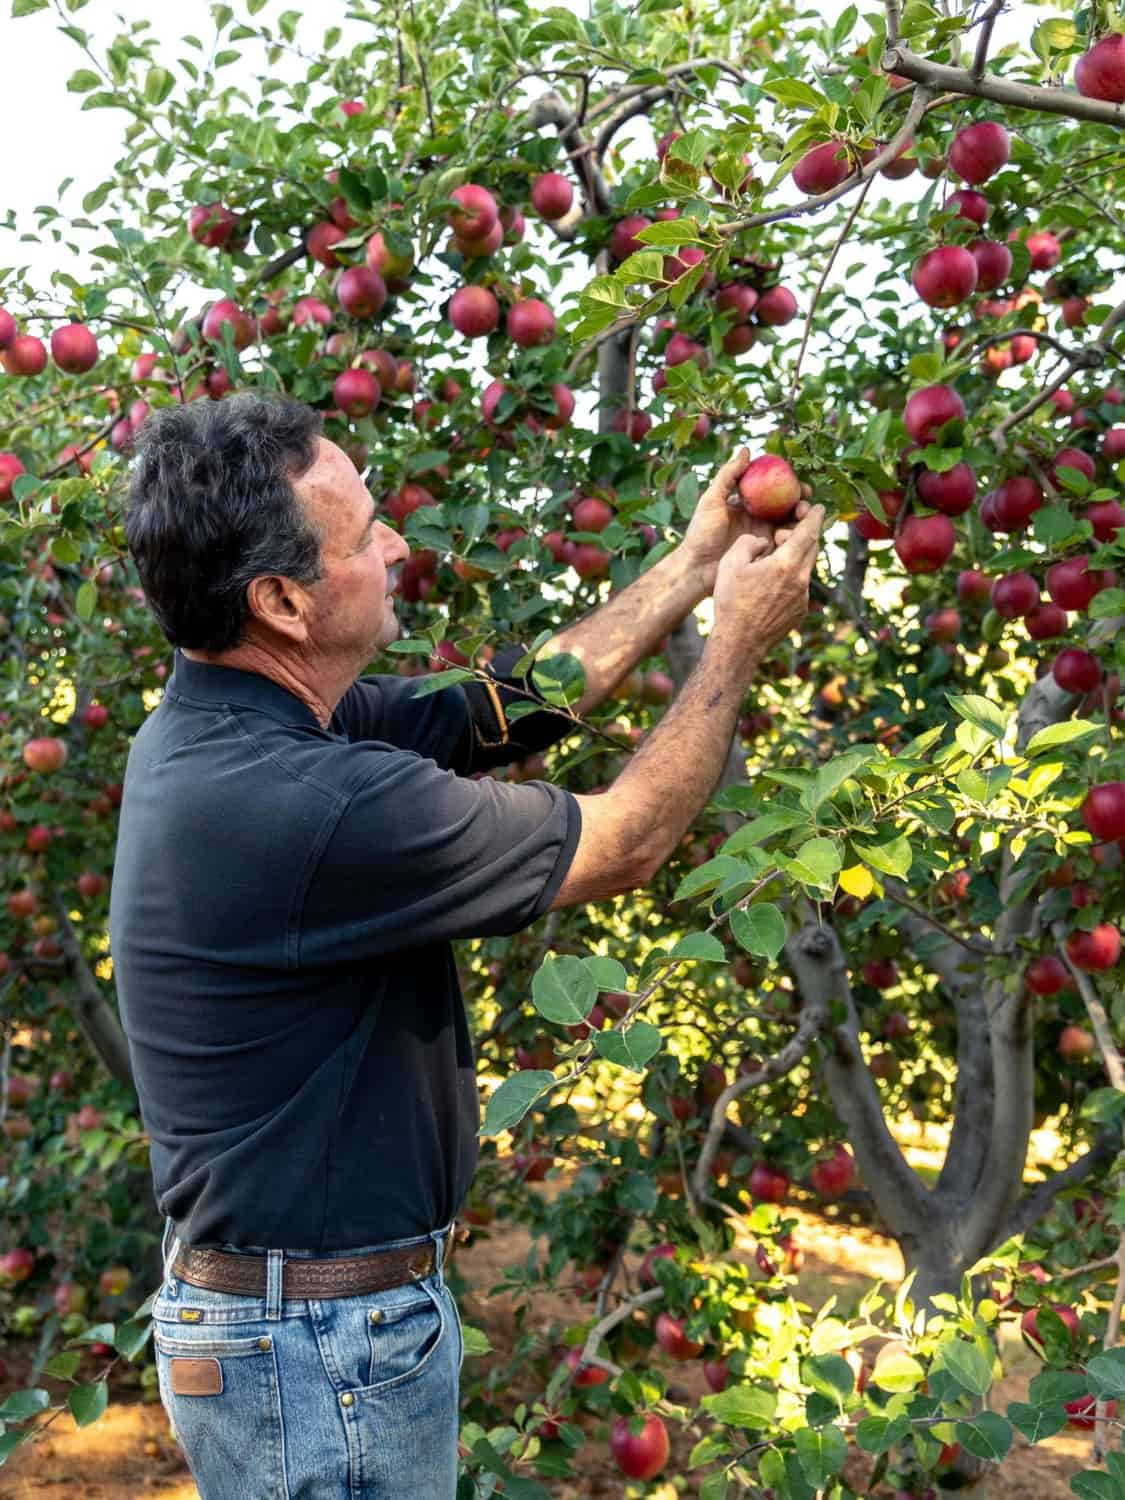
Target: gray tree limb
(96, 1018)
(1052, 101)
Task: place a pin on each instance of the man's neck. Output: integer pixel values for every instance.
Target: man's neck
(254, 658)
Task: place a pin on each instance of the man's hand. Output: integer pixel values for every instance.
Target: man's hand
(761, 596)
(720, 519)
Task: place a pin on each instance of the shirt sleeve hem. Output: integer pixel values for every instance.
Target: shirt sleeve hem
(565, 856)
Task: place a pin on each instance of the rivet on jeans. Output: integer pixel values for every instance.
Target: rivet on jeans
(265, 1344)
(376, 1315)
(346, 1399)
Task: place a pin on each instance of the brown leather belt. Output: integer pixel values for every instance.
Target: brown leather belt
(347, 1276)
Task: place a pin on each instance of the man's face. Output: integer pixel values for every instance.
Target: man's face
(355, 615)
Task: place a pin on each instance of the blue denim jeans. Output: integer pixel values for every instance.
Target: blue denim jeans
(347, 1398)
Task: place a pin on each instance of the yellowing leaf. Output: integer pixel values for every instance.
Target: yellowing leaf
(858, 881)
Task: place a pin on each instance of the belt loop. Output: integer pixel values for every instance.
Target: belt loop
(273, 1285)
(168, 1256)
(439, 1238)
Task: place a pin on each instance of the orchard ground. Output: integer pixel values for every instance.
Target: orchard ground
(130, 1452)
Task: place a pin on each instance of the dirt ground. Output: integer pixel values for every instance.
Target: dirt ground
(129, 1452)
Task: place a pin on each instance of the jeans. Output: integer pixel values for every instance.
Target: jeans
(347, 1398)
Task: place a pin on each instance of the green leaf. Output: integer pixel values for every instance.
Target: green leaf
(816, 863)
(437, 682)
(763, 828)
(159, 83)
(607, 973)
(987, 1436)
(1094, 1486)
(22, 8)
(88, 1402)
(699, 947)
(63, 1366)
(982, 712)
(831, 1375)
(132, 1337)
(831, 777)
(1108, 603)
(682, 231)
(85, 600)
(476, 1341)
(793, 92)
(563, 990)
(1106, 1373)
(65, 550)
(743, 1406)
(715, 1486)
(714, 872)
(98, 1333)
(881, 1434)
(821, 1453)
(1036, 1422)
(23, 1404)
(512, 1100)
(760, 929)
(893, 858)
(967, 1365)
(1060, 734)
(82, 82)
(898, 1371)
(633, 1049)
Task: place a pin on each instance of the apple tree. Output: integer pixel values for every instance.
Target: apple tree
(542, 273)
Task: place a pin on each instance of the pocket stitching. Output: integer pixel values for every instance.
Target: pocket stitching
(385, 1385)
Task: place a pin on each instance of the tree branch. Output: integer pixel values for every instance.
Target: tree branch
(987, 22)
(1090, 357)
(1052, 101)
(902, 1202)
(96, 1019)
(1034, 1205)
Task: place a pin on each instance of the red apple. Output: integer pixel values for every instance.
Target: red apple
(623, 241)
(968, 204)
(1072, 458)
(634, 424)
(311, 310)
(769, 487)
(589, 561)
(212, 225)
(8, 328)
(474, 311)
(643, 1454)
(1076, 671)
(1103, 811)
(925, 543)
(25, 355)
(1046, 622)
(1073, 584)
(945, 276)
(973, 586)
(564, 399)
(356, 392)
(361, 292)
(584, 1375)
(943, 625)
(822, 168)
(10, 469)
(1076, 1044)
(673, 1340)
(551, 196)
(952, 492)
(868, 525)
(530, 323)
(320, 240)
(1047, 975)
(1044, 249)
(768, 1184)
(74, 348)
(44, 755)
(16, 1266)
(591, 514)
(716, 1374)
(880, 973)
(1016, 501)
(476, 213)
(993, 262)
(737, 300)
(226, 313)
(1095, 950)
(979, 151)
(928, 410)
(833, 1178)
(1100, 72)
(776, 307)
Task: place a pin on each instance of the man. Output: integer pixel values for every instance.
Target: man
(298, 847)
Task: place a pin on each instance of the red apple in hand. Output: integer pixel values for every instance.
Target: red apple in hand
(769, 487)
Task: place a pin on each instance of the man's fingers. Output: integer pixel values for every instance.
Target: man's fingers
(805, 536)
(725, 480)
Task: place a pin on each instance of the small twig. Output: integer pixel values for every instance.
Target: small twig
(828, 264)
(988, 21)
(899, 896)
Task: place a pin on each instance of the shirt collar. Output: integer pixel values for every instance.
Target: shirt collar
(203, 681)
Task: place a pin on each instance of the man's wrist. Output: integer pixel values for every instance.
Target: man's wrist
(696, 576)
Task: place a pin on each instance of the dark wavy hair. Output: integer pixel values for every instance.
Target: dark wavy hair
(211, 507)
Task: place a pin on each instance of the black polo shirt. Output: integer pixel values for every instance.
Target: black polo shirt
(283, 903)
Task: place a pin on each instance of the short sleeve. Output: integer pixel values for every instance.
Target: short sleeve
(419, 855)
(436, 726)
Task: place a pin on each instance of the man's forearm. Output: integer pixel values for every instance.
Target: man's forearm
(612, 639)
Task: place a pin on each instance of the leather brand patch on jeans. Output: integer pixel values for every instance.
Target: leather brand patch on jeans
(196, 1377)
